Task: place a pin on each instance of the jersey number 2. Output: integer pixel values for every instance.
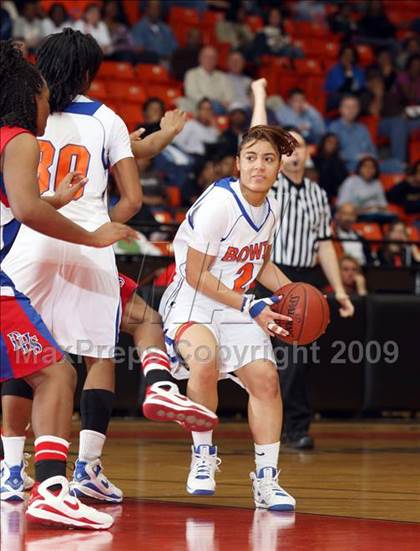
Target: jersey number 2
(70, 158)
(244, 274)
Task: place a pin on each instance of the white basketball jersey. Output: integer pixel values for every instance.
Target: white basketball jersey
(87, 137)
(221, 223)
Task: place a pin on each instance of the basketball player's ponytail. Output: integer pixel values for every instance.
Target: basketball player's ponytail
(283, 142)
(20, 84)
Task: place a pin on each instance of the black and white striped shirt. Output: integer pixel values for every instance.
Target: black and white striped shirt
(304, 221)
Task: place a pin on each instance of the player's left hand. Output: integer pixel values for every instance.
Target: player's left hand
(68, 189)
(346, 306)
(261, 312)
(173, 121)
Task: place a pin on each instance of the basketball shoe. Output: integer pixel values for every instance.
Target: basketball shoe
(90, 481)
(164, 402)
(59, 508)
(204, 464)
(12, 482)
(267, 492)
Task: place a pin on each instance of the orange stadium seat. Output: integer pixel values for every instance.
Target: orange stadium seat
(309, 66)
(154, 74)
(389, 180)
(130, 113)
(414, 148)
(75, 9)
(98, 90)
(370, 231)
(163, 217)
(255, 22)
(126, 91)
(187, 16)
(309, 29)
(173, 194)
(365, 54)
(168, 94)
(116, 70)
(372, 122)
(132, 11)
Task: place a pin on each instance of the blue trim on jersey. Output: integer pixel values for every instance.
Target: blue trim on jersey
(5, 368)
(36, 319)
(5, 280)
(9, 231)
(2, 186)
(192, 209)
(225, 183)
(118, 324)
(83, 107)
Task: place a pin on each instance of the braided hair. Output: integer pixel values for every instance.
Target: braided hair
(281, 140)
(69, 62)
(21, 82)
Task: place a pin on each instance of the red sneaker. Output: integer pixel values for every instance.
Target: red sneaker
(59, 508)
(164, 402)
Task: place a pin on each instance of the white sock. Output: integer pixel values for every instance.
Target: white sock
(266, 455)
(91, 444)
(13, 449)
(200, 438)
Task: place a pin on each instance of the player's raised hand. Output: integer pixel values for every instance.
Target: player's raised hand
(110, 233)
(69, 189)
(261, 312)
(259, 87)
(137, 134)
(173, 121)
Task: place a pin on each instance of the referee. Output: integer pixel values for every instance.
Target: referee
(302, 239)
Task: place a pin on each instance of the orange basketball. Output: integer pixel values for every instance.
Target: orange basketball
(309, 309)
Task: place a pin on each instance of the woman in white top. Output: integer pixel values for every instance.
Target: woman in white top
(91, 23)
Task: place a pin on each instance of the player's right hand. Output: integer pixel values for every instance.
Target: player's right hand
(259, 87)
(110, 233)
(173, 121)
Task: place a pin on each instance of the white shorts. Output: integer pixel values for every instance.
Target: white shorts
(241, 341)
(73, 287)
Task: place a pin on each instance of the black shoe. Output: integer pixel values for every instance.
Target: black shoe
(298, 441)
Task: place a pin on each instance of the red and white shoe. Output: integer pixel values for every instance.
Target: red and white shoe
(164, 402)
(59, 508)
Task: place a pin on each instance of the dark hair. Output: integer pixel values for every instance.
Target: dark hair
(294, 91)
(321, 145)
(90, 6)
(410, 60)
(21, 82)
(58, 6)
(371, 160)
(69, 62)
(203, 100)
(283, 142)
(151, 100)
(412, 169)
(353, 49)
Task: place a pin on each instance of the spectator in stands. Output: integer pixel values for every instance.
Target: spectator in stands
(343, 22)
(153, 183)
(406, 194)
(240, 83)
(200, 131)
(186, 57)
(122, 43)
(238, 124)
(411, 46)
(364, 190)
(408, 82)
(375, 27)
(91, 23)
(224, 165)
(345, 77)
(28, 26)
(398, 254)
(354, 137)
(57, 20)
(297, 112)
(273, 39)
(234, 28)
(385, 67)
(205, 81)
(354, 282)
(153, 111)
(6, 25)
(153, 35)
(330, 167)
(358, 247)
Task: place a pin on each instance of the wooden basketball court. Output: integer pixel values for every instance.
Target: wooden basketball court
(358, 490)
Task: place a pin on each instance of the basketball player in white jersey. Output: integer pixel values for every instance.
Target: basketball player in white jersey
(214, 326)
(77, 290)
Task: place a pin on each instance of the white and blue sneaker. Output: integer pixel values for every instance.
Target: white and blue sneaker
(204, 464)
(12, 482)
(89, 481)
(268, 494)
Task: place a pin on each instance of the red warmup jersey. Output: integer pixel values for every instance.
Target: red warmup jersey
(26, 345)
(127, 287)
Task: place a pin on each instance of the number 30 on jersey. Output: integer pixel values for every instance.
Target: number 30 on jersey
(53, 168)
